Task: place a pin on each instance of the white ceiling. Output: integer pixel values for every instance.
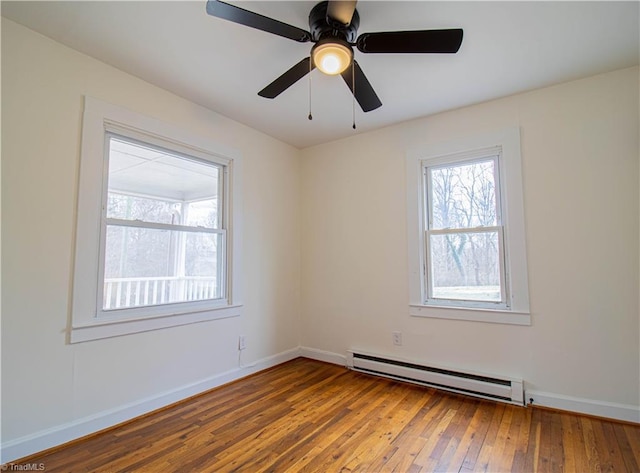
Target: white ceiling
(156, 173)
(508, 47)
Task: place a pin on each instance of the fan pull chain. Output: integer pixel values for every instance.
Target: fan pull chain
(353, 93)
(310, 69)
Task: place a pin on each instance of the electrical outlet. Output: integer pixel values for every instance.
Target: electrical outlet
(242, 342)
(397, 338)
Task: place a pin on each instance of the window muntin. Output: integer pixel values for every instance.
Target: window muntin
(164, 236)
(464, 236)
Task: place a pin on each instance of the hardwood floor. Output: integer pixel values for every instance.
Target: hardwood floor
(308, 416)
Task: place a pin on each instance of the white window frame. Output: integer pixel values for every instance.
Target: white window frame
(132, 136)
(88, 320)
(492, 154)
(514, 309)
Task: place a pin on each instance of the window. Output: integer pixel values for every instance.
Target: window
(467, 254)
(464, 232)
(164, 231)
(158, 227)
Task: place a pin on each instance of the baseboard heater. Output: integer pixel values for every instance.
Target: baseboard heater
(480, 385)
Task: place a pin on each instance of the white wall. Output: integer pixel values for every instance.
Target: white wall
(580, 171)
(49, 384)
(325, 252)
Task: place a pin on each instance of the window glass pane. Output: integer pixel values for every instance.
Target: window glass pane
(202, 252)
(153, 185)
(146, 266)
(128, 207)
(194, 214)
(465, 266)
(202, 214)
(137, 252)
(463, 195)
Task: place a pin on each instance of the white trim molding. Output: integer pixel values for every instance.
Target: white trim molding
(322, 355)
(517, 309)
(61, 434)
(88, 321)
(58, 435)
(608, 410)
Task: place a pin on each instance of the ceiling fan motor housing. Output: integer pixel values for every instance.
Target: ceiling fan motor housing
(321, 26)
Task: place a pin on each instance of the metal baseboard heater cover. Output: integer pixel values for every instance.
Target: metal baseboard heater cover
(485, 386)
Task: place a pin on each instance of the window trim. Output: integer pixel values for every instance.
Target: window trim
(511, 202)
(88, 321)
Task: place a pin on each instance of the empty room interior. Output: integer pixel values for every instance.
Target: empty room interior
(338, 236)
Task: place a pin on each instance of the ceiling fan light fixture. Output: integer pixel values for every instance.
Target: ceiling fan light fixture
(332, 56)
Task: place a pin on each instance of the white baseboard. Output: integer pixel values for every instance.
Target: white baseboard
(58, 435)
(321, 355)
(609, 410)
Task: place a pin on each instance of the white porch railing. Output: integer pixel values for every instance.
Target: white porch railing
(120, 293)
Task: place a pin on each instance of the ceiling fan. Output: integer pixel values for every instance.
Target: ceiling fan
(333, 28)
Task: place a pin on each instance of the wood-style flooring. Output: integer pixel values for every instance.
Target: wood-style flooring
(308, 416)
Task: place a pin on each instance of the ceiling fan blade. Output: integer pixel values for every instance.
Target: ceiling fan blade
(425, 41)
(287, 79)
(363, 91)
(254, 20)
(341, 11)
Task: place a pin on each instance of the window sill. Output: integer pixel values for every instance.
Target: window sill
(103, 328)
(496, 316)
